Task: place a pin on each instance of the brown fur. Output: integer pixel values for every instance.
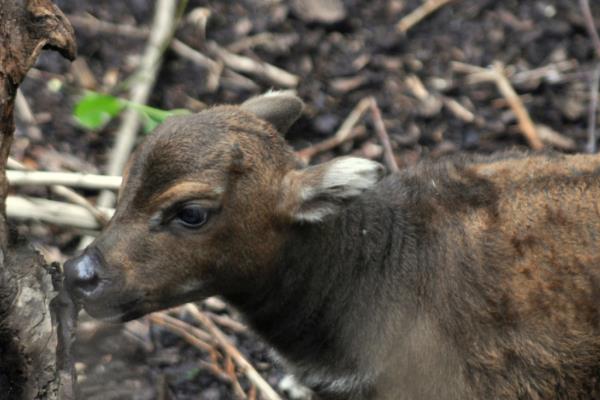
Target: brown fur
(465, 278)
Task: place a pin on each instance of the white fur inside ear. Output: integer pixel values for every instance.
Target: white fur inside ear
(350, 176)
(340, 179)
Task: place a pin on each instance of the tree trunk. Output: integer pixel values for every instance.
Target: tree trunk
(34, 334)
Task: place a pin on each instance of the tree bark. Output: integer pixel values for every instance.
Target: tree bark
(31, 328)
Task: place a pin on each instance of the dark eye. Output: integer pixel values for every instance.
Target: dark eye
(192, 216)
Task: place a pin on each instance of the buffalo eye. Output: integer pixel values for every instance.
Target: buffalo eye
(192, 216)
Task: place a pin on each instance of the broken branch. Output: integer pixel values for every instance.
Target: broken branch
(590, 26)
(497, 75)
(53, 212)
(250, 66)
(161, 34)
(388, 153)
(525, 123)
(343, 134)
(73, 179)
(247, 368)
(592, 110)
(419, 14)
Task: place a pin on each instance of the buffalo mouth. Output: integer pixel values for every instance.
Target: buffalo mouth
(107, 309)
(111, 311)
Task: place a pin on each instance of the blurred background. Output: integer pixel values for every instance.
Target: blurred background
(409, 79)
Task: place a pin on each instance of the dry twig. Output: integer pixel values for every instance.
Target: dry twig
(91, 23)
(72, 179)
(230, 370)
(265, 389)
(250, 66)
(60, 190)
(591, 145)
(552, 73)
(552, 138)
(228, 322)
(214, 68)
(194, 336)
(26, 115)
(201, 340)
(53, 212)
(75, 198)
(161, 34)
(343, 134)
(458, 109)
(420, 13)
(388, 153)
(513, 99)
(590, 26)
(183, 50)
(497, 75)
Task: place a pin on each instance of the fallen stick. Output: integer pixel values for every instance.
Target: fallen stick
(161, 33)
(53, 212)
(73, 197)
(552, 138)
(551, 72)
(250, 66)
(420, 13)
(91, 23)
(525, 123)
(214, 68)
(590, 25)
(64, 192)
(72, 179)
(343, 134)
(464, 68)
(554, 72)
(233, 61)
(227, 322)
(497, 75)
(591, 145)
(235, 384)
(246, 368)
(458, 109)
(388, 153)
(190, 333)
(26, 115)
(430, 104)
(183, 50)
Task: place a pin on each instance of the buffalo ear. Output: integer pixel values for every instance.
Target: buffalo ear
(311, 194)
(281, 109)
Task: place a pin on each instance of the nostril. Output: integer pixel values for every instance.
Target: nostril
(82, 274)
(87, 281)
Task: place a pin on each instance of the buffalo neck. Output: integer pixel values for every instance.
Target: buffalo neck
(330, 282)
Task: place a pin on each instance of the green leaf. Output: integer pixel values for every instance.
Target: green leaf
(95, 110)
(154, 116)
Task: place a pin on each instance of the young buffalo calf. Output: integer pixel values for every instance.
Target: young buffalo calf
(465, 278)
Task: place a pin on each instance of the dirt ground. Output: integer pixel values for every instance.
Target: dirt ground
(428, 101)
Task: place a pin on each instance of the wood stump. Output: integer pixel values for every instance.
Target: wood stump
(35, 330)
